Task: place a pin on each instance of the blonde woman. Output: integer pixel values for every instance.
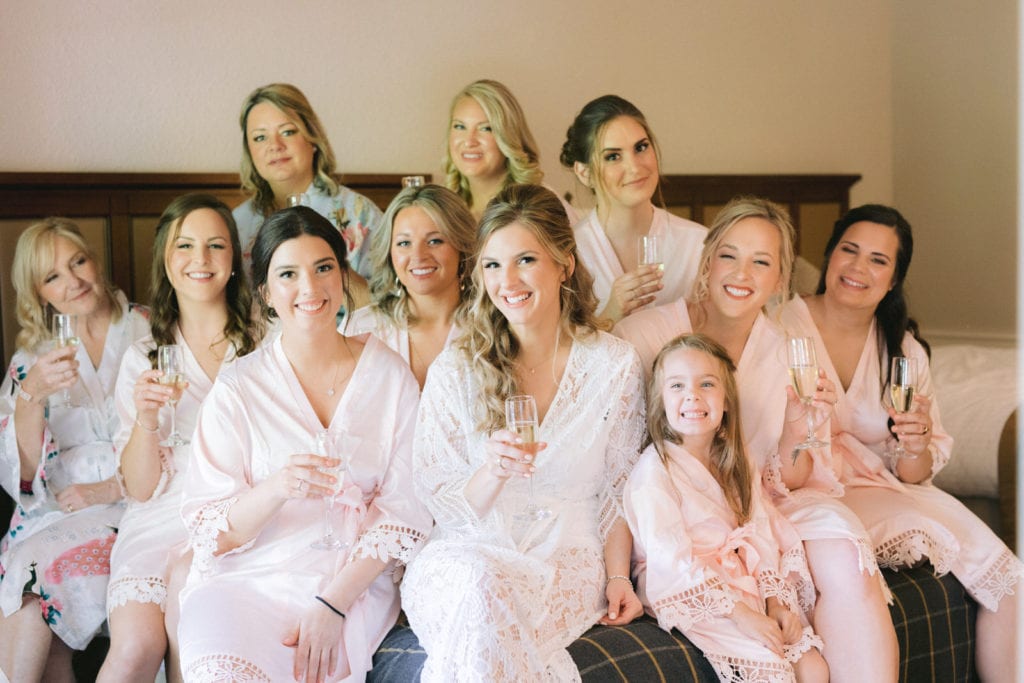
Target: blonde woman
(58, 462)
(490, 146)
(285, 152)
(495, 595)
(420, 282)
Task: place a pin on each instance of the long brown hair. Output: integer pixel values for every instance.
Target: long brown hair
(729, 464)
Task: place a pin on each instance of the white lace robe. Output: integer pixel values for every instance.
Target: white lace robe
(693, 563)
(238, 606)
(65, 557)
(908, 521)
(152, 535)
(493, 598)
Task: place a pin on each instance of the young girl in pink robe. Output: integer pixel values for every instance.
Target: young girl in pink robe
(859, 321)
(713, 558)
(746, 263)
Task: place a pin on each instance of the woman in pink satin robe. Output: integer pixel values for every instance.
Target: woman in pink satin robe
(311, 414)
(859, 321)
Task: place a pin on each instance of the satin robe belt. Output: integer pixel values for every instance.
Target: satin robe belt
(738, 559)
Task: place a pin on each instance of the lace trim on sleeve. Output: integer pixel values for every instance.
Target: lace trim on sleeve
(703, 601)
(772, 476)
(204, 527)
(388, 541)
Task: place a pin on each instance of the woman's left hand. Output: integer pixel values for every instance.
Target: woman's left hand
(80, 496)
(317, 641)
(914, 428)
(623, 604)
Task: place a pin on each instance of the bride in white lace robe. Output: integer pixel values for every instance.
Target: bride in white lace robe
(492, 597)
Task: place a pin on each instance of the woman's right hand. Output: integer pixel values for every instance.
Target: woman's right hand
(633, 290)
(508, 457)
(302, 478)
(53, 371)
(149, 396)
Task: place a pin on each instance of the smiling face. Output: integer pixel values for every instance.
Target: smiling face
(471, 143)
(304, 284)
(521, 278)
(627, 165)
(280, 151)
(693, 393)
(745, 268)
(73, 284)
(198, 259)
(862, 265)
(424, 261)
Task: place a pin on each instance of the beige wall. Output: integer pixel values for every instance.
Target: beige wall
(796, 86)
(728, 87)
(956, 87)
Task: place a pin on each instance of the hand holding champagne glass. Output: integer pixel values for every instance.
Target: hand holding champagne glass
(803, 371)
(65, 335)
(329, 541)
(521, 419)
(171, 362)
(902, 386)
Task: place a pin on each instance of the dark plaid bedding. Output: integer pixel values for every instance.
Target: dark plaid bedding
(934, 619)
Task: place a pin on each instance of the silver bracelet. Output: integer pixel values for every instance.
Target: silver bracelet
(619, 576)
(27, 397)
(154, 430)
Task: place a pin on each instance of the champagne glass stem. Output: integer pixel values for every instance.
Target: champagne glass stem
(174, 424)
(810, 423)
(329, 518)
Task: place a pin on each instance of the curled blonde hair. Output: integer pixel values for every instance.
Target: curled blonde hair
(453, 221)
(294, 104)
(488, 342)
(508, 125)
(729, 464)
(736, 210)
(33, 259)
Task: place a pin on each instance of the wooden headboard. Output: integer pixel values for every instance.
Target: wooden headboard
(118, 212)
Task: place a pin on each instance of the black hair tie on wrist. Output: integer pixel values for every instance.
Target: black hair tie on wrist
(331, 607)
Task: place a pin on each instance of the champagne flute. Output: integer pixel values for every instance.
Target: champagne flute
(803, 370)
(902, 385)
(300, 199)
(521, 419)
(412, 181)
(171, 362)
(329, 541)
(649, 251)
(65, 334)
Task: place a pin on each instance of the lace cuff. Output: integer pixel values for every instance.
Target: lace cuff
(772, 585)
(388, 541)
(808, 639)
(684, 609)
(204, 527)
(611, 512)
(144, 589)
(771, 477)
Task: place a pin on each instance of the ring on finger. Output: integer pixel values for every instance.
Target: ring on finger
(925, 430)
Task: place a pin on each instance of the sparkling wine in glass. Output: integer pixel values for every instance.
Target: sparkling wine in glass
(902, 385)
(413, 181)
(65, 334)
(329, 541)
(171, 361)
(521, 419)
(803, 371)
(649, 251)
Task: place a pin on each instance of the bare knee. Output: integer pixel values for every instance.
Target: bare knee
(811, 668)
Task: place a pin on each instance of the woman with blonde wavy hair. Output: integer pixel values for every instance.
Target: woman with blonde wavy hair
(496, 593)
(286, 153)
(420, 282)
(490, 146)
(58, 461)
(745, 267)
